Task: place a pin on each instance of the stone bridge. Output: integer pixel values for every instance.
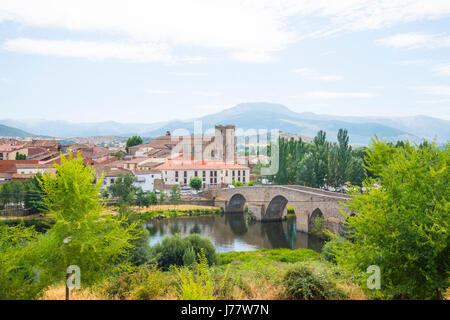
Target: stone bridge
(269, 203)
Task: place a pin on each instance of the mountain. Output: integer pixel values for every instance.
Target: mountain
(275, 116)
(258, 115)
(6, 131)
(67, 129)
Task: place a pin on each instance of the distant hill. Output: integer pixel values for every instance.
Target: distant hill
(6, 131)
(258, 115)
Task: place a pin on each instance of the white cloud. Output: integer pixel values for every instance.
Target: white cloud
(304, 71)
(135, 52)
(436, 90)
(159, 91)
(188, 74)
(310, 73)
(331, 77)
(325, 95)
(251, 30)
(442, 69)
(208, 94)
(415, 40)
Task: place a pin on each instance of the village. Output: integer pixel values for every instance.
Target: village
(156, 166)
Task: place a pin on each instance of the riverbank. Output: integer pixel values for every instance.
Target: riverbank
(236, 275)
(171, 211)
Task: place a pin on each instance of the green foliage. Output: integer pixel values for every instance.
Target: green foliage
(133, 141)
(318, 163)
(33, 195)
(145, 282)
(196, 183)
(402, 219)
(172, 249)
(18, 279)
(123, 188)
(251, 183)
(196, 285)
(20, 156)
(189, 257)
(237, 183)
(117, 154)
(175, 194)
(162, 197)
(303, 284)
(97, 244)
(329, 249)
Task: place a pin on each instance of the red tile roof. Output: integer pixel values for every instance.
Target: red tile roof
(199, 165)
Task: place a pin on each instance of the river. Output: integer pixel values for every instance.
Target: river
(232, 232)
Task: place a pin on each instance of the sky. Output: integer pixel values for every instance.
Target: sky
(150, 61)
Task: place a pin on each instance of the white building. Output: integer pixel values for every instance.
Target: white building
(212, 172)
(145, 179)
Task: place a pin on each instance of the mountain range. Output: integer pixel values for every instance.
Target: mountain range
(259, 115)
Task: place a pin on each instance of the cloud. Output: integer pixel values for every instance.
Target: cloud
(325, 95)
(331, 77)
(415, 40)
(159, 91)
(310, 73)
(251, 31)
(208, 94)
(436, 90)
(188, 74)
(442, 69)
(94, 50)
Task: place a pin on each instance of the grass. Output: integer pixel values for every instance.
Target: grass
(173, 211)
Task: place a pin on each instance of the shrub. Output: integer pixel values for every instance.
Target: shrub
(143, 283)
(172, 249)
(196, 285)
(302, 284)
(329, 249)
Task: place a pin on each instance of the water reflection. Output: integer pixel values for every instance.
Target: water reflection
(232, 232)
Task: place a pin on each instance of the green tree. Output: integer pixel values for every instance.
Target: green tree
(97, 244)
(402, 219)
(196, 183)
(18, 279)
(175, 194)
(133, 141)
(162, 197)
(20, 156)
(33, 195)
(123, 188)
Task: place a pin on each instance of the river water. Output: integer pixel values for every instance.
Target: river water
(232, 232)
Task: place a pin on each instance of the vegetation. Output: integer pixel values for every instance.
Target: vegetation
(302, 284)
(20, 156)
(175, 194)
(133, 141)
(319, 163)
(401, 221)
(196, 183)
(175, 250)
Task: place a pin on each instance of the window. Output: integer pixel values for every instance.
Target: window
(176, 174)
(239, 172)
(185, 181)
(204, 173)
(195, 173)
(215, 180)
(185, 174)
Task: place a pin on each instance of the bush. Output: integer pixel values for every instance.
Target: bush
(302, 284)
(172, 250)
(329, 249)
(143, 283)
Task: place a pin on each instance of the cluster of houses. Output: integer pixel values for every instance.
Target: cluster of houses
(157, 165)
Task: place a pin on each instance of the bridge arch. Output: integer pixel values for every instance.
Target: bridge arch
(276, 208)
(236, 204)
(315, 215)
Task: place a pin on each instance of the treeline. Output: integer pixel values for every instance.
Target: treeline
(320, 163)
(20, 195)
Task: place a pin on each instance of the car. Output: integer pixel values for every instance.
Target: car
(185, 188)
